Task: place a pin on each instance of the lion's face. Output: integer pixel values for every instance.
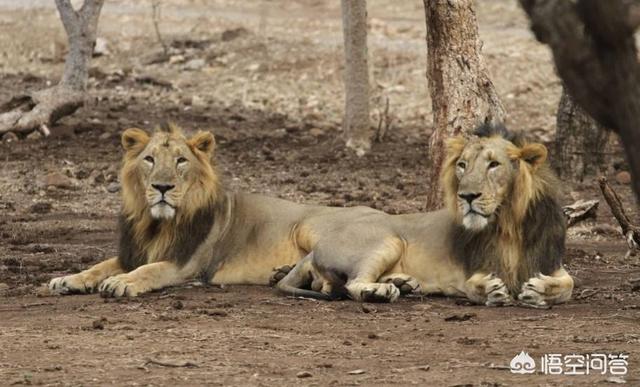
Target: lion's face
(168, 170)
(482, 172)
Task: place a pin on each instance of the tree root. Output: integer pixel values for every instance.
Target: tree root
(37, 111)
(630, 231)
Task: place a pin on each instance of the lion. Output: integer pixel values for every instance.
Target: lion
(179, 223)
(499, 241)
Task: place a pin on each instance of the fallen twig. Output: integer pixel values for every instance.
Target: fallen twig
(172, 363)
(580, 210)
(630, 231)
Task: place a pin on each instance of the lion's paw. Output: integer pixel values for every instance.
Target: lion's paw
(533, 292)
(497, 293)
(119, 286)
(405, 283)
(279, 273)
(72, 284)
(378, 292)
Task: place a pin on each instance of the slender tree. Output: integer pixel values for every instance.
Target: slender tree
(462, 93)
(581, 144)
(36, 111)
(594, 49)
(356, 123)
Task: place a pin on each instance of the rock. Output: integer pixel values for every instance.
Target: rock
(34, 136)
(113, 187)
(96, 177)
(98, 324)
(316, 132)
(174, 59)
(177, 304)
(40, 208)
(10, 137)
(623, 177)
(101, 47)
(256, 67)
(194, 64)
(196, 100)
(303, 374)
(233, 34)
(105, 136)
(356, 372)
(58, 180)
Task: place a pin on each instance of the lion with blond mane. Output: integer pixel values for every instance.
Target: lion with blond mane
(499, 241)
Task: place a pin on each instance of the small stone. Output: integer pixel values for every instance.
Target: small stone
(186, 101)
(316, 132)
(34, 136)
(233, 34)
(304, 374)
(194, 64)
(105, 136)
(10, 137)
(623, 177)
(113, 187)
(196, 100)
(96, 177)
(58, 180)
(373, 336)
(101, 47)
(40, 208)
(177, 304)
(98, 324)
(356, 372)
(176, 59)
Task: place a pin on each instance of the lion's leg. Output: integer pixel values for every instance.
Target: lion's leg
(363, 283)
(488, 289)
(148, 277)
(303, 280)
(544, 290)
(279, 273)
(405, 283)
(86, 281)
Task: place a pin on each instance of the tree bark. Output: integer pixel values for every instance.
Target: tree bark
(595, 55)
(356, 123)
(35, 111)
(581, 145)
(462, 93)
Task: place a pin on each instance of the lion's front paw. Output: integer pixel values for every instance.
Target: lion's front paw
(72, 284)
(405, 283)
(374, 292)
(533, 292)
(497, 293)
(119, 286)
(279, 273)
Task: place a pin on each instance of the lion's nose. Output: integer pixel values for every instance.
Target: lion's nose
(469, 196)
(163, 188)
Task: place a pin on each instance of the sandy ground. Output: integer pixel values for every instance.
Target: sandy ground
(267, 81)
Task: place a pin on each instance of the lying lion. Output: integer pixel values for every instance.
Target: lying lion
(178, 223)
(501, 237)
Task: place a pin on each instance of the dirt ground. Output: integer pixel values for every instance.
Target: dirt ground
(265, 77)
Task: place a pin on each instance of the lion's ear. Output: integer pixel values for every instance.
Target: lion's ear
(204, 142)
(454, 146)
(134, 139)
(535, 154)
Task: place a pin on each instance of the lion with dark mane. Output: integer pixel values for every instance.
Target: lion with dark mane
(499, 241)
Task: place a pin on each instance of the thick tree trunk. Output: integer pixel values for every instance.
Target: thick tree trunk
(27, 113)
(356, 123)
(595, 54)
(581, 145)
(462, 93)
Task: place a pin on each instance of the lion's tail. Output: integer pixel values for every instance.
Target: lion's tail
(293, 291)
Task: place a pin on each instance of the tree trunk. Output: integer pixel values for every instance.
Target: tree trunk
(462, 94)
(356, 123)
(27, 113)
(581, 145)
(595, 54)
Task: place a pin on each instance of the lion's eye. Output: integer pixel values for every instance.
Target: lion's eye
(181, 160)
(461, 164)
(494, 164)
(149, 159)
